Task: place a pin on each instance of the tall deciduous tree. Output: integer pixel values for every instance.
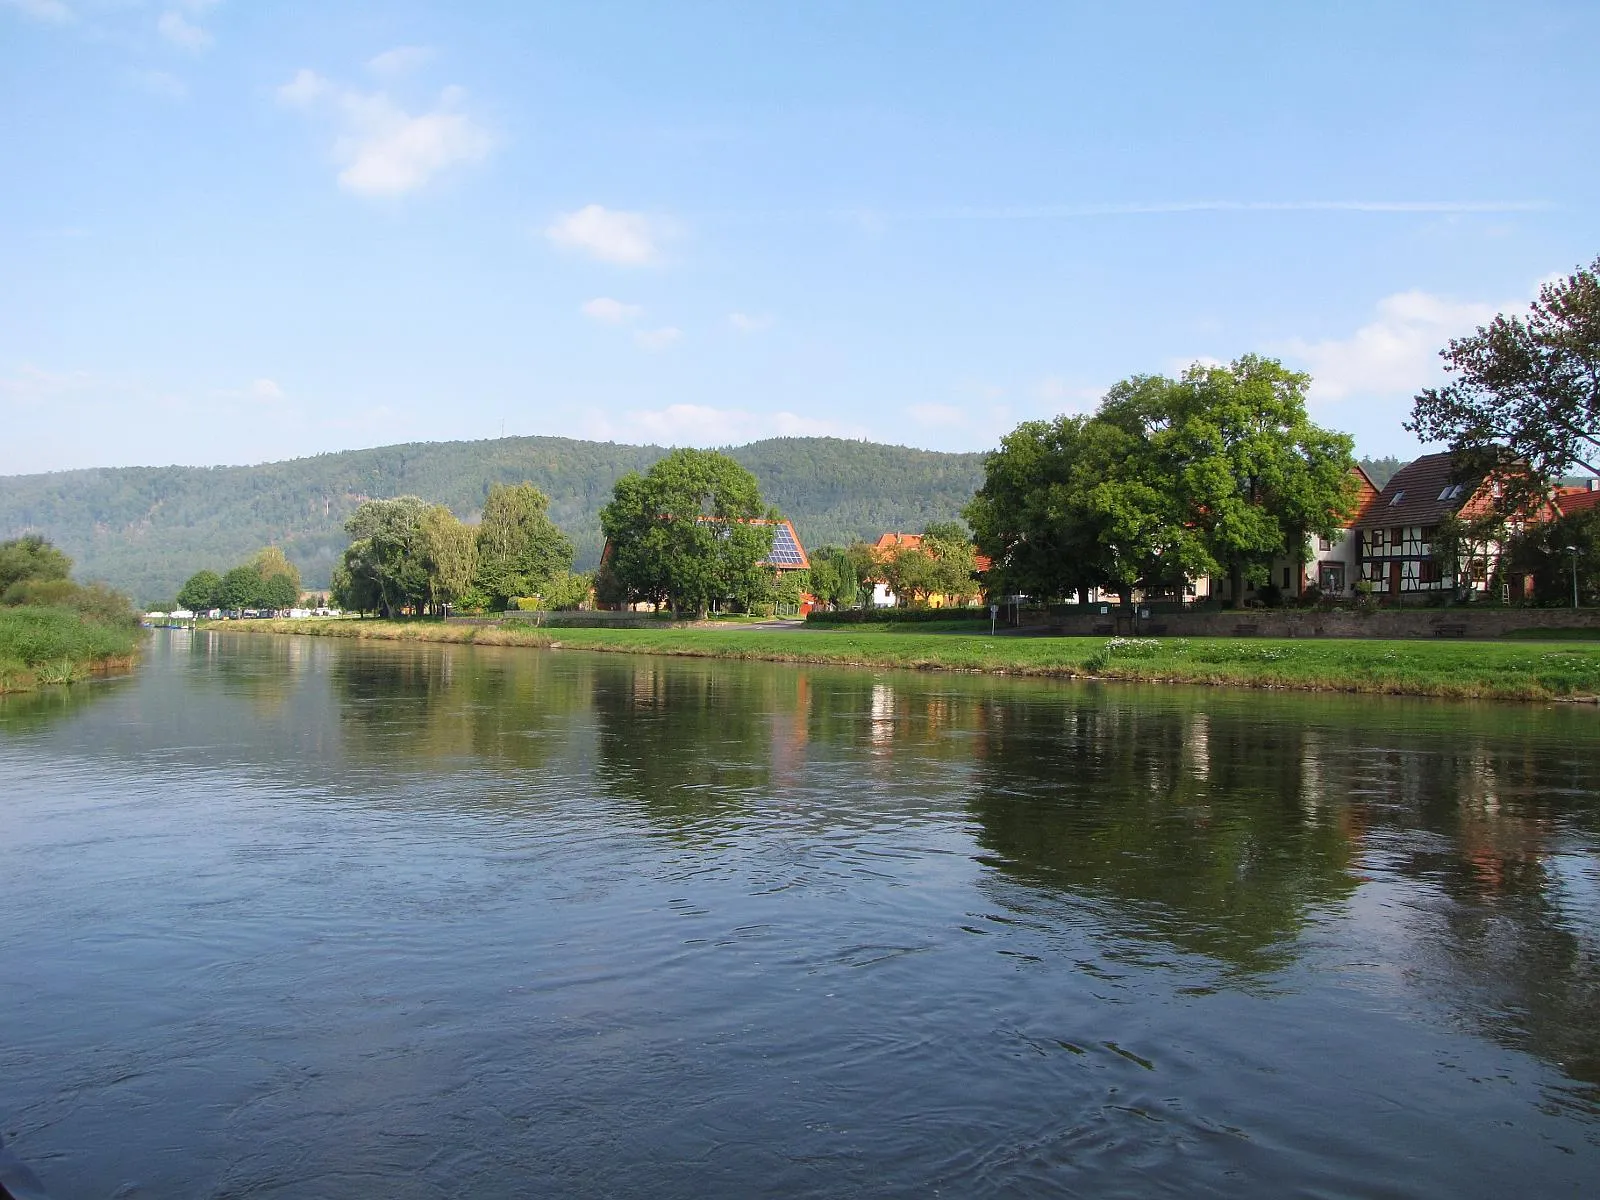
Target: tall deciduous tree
(1219, 471)
(241, 587)
(271, 563)
(1251, 474)
(1027, 517)
(449, 555)
(1525, 391)
(684, 532)
(519, 548)
(385, 559)
(201, 591)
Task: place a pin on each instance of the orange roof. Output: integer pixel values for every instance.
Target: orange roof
(1571, 500)
(910, 541)
(1366, 495)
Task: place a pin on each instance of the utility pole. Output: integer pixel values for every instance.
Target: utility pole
(1573, 550)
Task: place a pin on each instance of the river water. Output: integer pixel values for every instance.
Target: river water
(292, 917)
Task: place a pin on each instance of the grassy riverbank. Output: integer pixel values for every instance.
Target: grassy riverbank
(1491, 670)
(43, 645)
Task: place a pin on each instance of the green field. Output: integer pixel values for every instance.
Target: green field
(1490, 670)
(40, 645)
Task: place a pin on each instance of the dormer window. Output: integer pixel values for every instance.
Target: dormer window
(1397, 497)
(1453, 491)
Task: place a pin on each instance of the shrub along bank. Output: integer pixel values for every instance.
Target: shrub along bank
(1542, 671)
(42, 644)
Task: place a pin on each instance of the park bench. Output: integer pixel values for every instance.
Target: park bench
(1449, 631)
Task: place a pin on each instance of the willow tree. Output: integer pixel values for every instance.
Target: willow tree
(449, 553)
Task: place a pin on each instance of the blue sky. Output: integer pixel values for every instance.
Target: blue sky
(233, 232)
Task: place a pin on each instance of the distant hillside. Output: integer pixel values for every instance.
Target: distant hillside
(1381, 470)
(146, 529)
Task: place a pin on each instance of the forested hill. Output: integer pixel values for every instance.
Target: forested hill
(146, 529)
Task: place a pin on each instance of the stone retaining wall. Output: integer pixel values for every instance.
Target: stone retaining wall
(1347, 623)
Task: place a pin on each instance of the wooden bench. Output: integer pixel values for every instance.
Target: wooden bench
(1449, 631)
(1246, 630)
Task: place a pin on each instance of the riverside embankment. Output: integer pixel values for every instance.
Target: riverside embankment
(41, 644)
(1538, 670)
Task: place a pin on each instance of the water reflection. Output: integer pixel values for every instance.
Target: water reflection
(1196, 826)
(826, 927)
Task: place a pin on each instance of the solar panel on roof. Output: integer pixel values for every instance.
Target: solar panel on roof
(785, 550)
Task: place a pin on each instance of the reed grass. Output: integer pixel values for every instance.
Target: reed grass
(48, 645)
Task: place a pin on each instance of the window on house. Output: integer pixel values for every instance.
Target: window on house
(1453, 491)
(1397, 497)
(1324, 544)
(1430, 573)
(1330, 577)
(1286, 579)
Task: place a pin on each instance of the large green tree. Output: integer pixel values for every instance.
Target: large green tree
(1217, 472)
(242, 587)
(1251, 476)
(1031, 516)
(520, 549)
(385, 561)
(689, 532)
(1524, 391)
(201, 591)
(449, 556)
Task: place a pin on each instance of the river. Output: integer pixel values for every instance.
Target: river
(312, 918)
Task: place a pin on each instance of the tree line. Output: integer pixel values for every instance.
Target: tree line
(407, 554)
(268, 581)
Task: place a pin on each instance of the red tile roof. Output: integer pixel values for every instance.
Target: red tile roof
(1576, 500)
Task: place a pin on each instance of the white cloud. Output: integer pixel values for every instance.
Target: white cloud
(400, 61)
(160, 83)
(35, 387)
(265, 389)
(43, 10)
(609, 311)
(627, 238)
(1394, 355)
(182, 32)
(746, 323)
(657, 339)
(702, 425)
(381, 148)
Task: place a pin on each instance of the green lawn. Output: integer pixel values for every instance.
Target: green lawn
(1500, 670)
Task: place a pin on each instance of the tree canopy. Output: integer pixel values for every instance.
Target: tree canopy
(31, 558)
(1216, 472)
(519, 549)
(689, 533)
(1524, 391)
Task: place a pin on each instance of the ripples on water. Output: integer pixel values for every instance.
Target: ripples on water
(285, 917)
